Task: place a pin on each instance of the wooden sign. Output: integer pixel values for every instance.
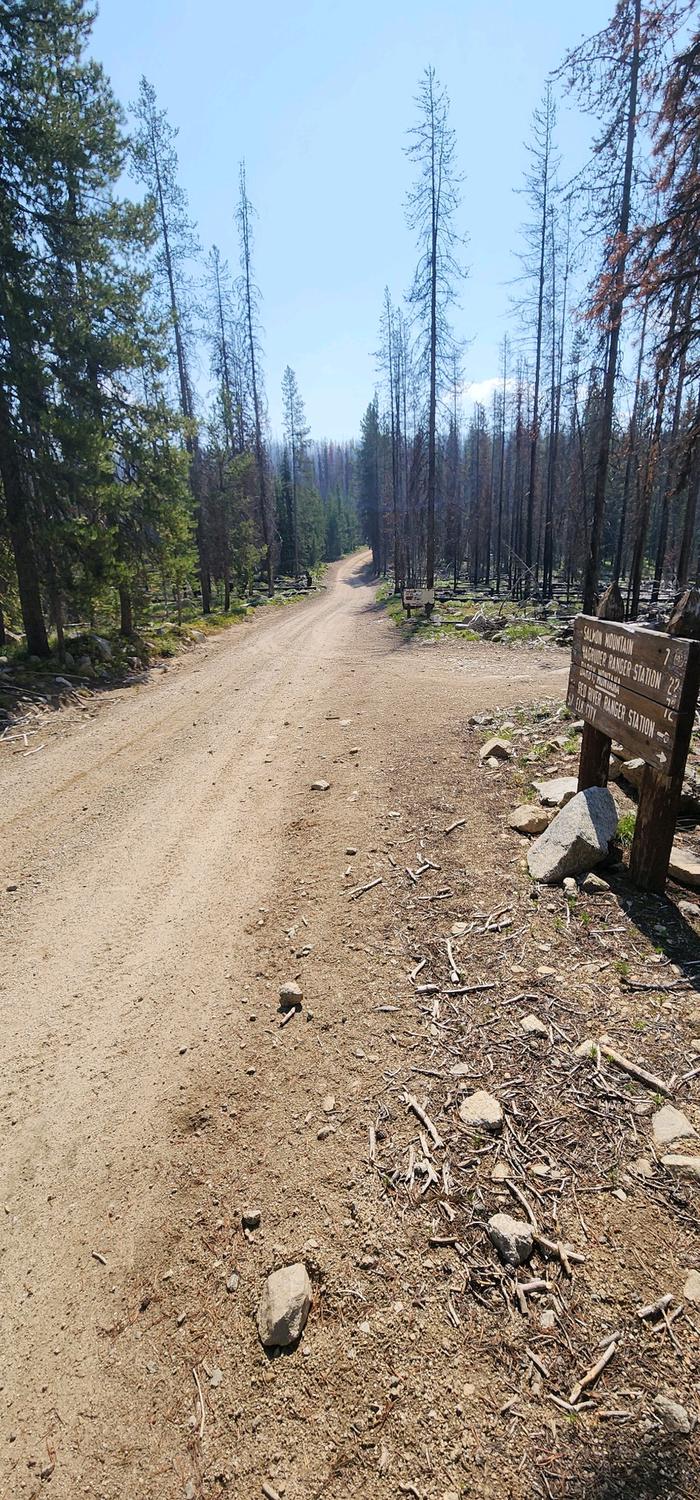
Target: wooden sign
(639, 687)
(636, 686)
(417, 598)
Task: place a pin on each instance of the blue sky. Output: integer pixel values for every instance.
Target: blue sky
(318, 97)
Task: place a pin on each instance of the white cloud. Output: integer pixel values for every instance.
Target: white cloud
(481, 391)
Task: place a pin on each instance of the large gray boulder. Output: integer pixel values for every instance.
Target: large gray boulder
(577, 839)
(284, 1306)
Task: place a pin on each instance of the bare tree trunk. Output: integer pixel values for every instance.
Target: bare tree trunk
(502, 468)
(642, 517)
(126, 614)
(260, 464)
(590, 581)
(535, 428)
(672, 440)
(186, 405)
(21, 537)
(432, 467)
(691, 506)
(631, 448)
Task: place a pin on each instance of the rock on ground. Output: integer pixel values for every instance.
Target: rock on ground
(558, 791)
(684, 867)
(688, 1165)
(534, 1026)
(291, 996)
(642, 1167)
(577, 839)
(482, 1110)
(674, 1417)
(512, 1239)
(670, 1124)
(632, 771)
(691, 1290)
(284, 1306)
(320, 786)
(496, 749)
(529, 820)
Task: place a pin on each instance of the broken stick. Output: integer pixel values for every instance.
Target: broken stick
(361, 889)
(592, 1375)
(412, 1104)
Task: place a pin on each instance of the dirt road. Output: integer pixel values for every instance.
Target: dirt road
(170, 860)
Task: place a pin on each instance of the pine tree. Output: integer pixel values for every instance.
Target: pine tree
(73, 334)
(296, 433)
(155, 162)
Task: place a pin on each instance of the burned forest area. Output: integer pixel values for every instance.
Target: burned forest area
(350, 785)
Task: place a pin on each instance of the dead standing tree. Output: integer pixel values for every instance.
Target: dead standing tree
(539, 188)
(431, 211)
(250, 300)
(616, 75)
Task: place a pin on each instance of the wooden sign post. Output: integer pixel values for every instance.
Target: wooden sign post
(640, 687)
(417, 599)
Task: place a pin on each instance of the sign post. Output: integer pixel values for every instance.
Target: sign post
(417, 599)
(641, 687)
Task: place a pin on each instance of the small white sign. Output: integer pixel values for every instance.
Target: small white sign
(416, 598)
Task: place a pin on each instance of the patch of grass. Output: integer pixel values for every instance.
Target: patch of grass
(219, 619)
(625, 829)
(524, 631)
(281, 599)
(494, 731)
(571, 746)
(622, 968)
(541, 751)
(395, 610)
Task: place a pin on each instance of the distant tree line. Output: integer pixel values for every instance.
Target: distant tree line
(116, 476)
(584, 463)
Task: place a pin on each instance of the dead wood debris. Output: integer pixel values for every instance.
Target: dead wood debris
(567, 1132)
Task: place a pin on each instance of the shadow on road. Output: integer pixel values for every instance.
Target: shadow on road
(656, 1471)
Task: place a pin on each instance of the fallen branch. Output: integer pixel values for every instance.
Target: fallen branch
(412, 1103)
(537, 1363)
(201, 1402)
(634, 1070)
(592, 1375)
(362, 889)
(458, 823)
(643, 984)
(522, 1200)
(563, 1253)
(470, 989)
(656, 1307)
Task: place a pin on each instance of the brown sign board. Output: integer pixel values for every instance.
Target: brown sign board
(636, 686)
